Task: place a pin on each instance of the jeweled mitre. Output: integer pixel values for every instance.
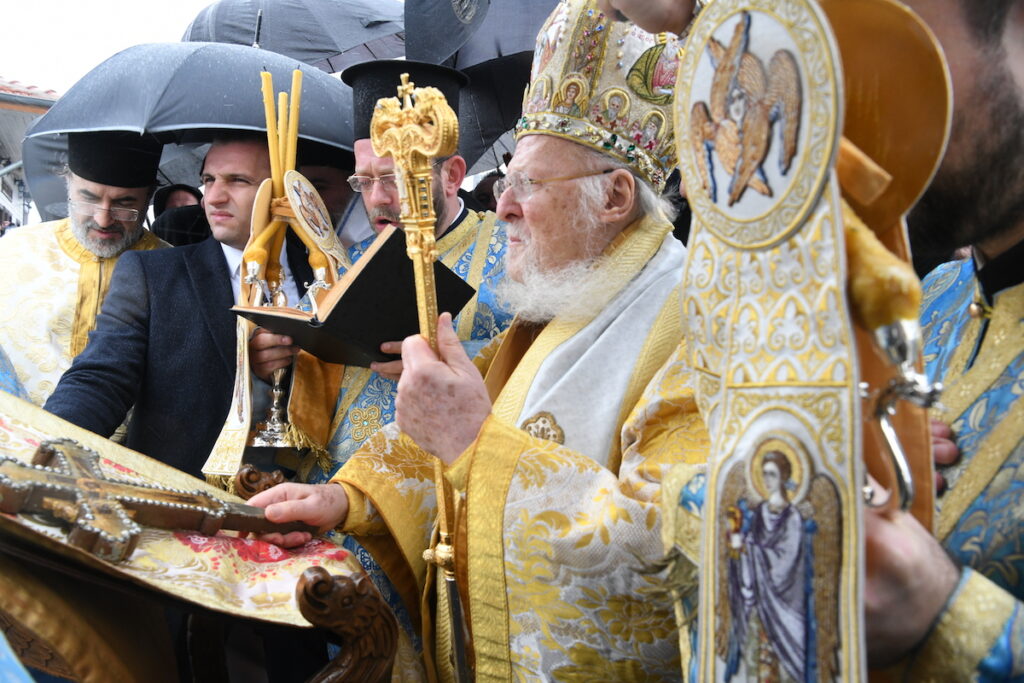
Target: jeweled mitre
(604, 84)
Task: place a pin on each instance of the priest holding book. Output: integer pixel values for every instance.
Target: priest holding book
(470, 243)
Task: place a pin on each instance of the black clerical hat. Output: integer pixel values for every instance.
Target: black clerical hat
(114, 157)
(371, 81)
(311, 153)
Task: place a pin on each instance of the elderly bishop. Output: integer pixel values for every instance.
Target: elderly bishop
(552, 447)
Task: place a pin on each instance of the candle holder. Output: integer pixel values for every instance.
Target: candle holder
(273, 432)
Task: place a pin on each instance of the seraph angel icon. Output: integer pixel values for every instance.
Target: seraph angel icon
(745, 103)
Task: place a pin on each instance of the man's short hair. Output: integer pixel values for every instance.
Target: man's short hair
(226, 137)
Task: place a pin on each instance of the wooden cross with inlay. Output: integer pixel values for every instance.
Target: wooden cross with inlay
(65, 480)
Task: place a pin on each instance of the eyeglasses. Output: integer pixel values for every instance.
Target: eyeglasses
(523, 184)
(388, 181)
(117, 213)
(364, 183)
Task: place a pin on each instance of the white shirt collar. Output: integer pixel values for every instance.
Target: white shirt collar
(233, 257)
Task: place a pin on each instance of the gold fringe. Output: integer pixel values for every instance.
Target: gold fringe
(317, 452)
(222, 481)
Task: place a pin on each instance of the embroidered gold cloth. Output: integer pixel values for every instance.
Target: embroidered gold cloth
(242, 577)
(550, 537)
(55, 289)
(980, 636)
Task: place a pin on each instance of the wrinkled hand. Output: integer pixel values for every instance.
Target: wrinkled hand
(268, 352)
(391, 369)
(944, 450)
(321, 505)
(653, 16)
(909, 577)
(442, 402)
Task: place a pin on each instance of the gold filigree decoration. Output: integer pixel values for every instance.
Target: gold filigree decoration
(414, 134)
(543, 425)
(365, 422)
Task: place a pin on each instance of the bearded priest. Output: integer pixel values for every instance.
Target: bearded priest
(58, 272)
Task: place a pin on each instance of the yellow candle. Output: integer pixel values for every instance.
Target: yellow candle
(268, 109)
(293, 120)
(282, 142)
(275, 243)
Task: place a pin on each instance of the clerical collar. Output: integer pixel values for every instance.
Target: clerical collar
(459, 217)
(1001, 272)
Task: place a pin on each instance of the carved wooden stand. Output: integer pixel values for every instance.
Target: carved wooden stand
(249, 481)
(351, 608)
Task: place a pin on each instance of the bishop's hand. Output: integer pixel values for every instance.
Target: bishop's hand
(324, 506)
(442, 400)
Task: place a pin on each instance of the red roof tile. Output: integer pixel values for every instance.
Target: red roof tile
(17, 88)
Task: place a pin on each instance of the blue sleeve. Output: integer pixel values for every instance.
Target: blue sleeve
(1004, 660)
(9, 378)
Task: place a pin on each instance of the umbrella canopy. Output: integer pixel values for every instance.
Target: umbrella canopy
(179, 92)
(442, 27)
(495, 49)
(186, 92)
(509, 27)
(327, 34)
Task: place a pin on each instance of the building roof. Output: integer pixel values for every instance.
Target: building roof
(18, 89)
(20, 104)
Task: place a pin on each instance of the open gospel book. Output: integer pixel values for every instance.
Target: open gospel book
(374, 302)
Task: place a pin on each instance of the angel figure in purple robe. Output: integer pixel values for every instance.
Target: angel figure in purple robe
(768, 582)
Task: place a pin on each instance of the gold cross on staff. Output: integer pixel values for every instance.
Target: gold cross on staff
(65, 480)
(413, 135)
(405, 91)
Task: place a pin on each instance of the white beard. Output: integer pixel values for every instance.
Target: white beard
(576, 292)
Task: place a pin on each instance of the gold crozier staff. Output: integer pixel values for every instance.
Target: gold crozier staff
(413, 135)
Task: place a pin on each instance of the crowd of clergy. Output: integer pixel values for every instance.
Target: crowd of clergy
(557, 399)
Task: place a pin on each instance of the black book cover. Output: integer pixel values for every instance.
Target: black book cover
(373, 303)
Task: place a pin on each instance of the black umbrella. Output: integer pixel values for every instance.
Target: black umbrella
(495, 49)
(185, 92)
(327, 34)
(182, 92)
(441, 27)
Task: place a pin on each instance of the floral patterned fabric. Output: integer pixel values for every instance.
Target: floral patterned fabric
(239, 576)
(45, 319)
(551, 541)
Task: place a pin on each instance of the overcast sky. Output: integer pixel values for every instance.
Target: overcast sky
(53, 43)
